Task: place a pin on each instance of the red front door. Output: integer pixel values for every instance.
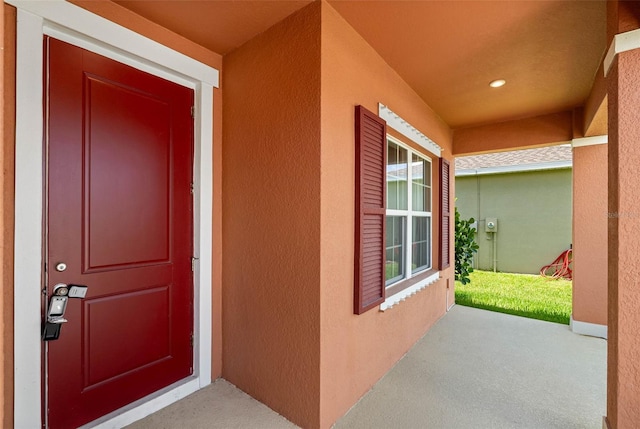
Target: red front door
(119, 216)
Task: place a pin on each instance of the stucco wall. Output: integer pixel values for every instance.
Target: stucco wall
(7, 136)
(290, 336)
(590, 234)
(535, 131)
(357, 350)
(534, 217)
(271, 199)
(623, 381)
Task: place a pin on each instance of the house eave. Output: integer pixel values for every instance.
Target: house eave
(504, 169)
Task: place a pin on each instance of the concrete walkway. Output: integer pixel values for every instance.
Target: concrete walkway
(473, 369)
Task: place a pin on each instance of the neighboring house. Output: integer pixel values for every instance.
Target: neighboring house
(528, 193)
(215, 173)
(538, 205)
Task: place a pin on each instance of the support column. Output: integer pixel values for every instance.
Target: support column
(623, 378)
(622, 67)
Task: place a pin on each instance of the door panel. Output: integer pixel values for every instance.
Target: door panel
(119, 215)
(115, 171)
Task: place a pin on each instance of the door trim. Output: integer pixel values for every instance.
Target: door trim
(77, 26)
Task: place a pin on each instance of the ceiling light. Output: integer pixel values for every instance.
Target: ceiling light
(497, 83)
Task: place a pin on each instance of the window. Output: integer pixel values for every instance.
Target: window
(393, 252)
(408, 213)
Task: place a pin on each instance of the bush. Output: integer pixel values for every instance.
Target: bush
(466, 246)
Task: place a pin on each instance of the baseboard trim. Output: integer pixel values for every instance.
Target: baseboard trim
(586, 328)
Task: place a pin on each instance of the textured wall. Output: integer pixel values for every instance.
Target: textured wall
(534, 217)
(7, 137)
(517, 134)
(590, 234)
(271, 217)
(623, 383)
(357, 350)
(594, 115)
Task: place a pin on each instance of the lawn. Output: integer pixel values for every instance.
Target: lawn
(520, 294)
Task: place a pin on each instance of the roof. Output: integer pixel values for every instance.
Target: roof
(543, 158)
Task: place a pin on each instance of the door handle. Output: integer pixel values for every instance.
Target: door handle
(57, 306)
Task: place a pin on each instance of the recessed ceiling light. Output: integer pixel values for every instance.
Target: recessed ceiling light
(497, 83)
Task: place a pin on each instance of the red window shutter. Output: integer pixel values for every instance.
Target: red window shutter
(445, 216)
(371, 161)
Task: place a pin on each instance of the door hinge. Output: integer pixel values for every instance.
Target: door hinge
(193, 111)
(193, 263)
(193, 187)
(192, 339)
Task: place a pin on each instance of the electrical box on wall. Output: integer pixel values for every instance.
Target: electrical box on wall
(491, 224)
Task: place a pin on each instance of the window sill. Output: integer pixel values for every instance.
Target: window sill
(409, 287)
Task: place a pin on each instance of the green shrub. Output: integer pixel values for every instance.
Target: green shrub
(466, 246)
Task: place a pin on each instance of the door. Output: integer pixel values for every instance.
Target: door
(119, 220)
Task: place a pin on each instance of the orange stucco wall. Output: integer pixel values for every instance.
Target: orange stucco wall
(590, 234)
(623, 382)
(595, 107)
(517, 134)
(271, 217)
(290, 336)
(357, 350)
(622, 16)
(4, 393)
(7, 20)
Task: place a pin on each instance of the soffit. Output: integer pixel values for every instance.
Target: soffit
(447, 51)
(218, 25)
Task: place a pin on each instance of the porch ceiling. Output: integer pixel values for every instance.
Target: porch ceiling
(448, 51)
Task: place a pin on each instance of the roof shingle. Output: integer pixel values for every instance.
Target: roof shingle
(516, 157)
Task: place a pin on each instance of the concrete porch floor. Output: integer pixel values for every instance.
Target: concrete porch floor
(473, 369)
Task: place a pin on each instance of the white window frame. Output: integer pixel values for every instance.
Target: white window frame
(408, 214)
(82, 28)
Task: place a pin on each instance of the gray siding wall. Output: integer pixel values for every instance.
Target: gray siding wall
(534, 217)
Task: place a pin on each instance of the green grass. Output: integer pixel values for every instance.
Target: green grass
(393, 269)
(520, 294)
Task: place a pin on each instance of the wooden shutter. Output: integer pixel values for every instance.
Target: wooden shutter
(371, 161)
(445, 216)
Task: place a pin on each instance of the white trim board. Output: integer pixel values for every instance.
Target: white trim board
(586, 328)
(590, 141)
(80, 27)
(503, 169)
(103, 33)
(410, 291)
(408, 130)
(622, 42)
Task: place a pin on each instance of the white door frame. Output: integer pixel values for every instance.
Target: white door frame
(79, 27)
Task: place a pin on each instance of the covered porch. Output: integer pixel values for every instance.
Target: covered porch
(473, 369)
(279, 307)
